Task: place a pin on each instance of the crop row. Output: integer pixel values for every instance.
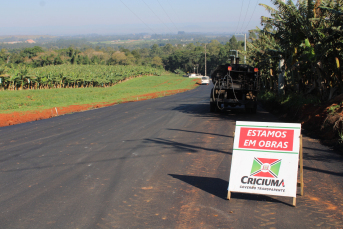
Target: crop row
(69, 76)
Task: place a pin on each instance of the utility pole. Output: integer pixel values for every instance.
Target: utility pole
(205, 62)
(245, 47)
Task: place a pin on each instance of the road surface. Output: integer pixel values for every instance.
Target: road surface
(161, 163)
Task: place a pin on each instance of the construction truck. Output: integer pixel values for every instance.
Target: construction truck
(234, 85)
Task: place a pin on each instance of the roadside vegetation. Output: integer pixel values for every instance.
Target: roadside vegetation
(69, 76)
(303, 42)
(177, 58)
(83, 73)
(33, 100)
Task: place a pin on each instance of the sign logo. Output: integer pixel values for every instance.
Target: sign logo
(265, 167)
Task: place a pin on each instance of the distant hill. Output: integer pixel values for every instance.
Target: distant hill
(26, 37)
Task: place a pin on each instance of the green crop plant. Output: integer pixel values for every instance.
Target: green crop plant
(70, 76)
(26, 100)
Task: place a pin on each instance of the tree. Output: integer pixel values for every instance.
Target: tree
(31, 52)
(85, 60)
(233, 43)
(130, 59)
(136, 54)
(157, 62)
(155, 51)
(223, 56)
(214, 47)
(308, 36)
(95, 60)
(73, 59)
(252, 36)
(168, 49)
(4, 54)
(118, 58)
(58, 60)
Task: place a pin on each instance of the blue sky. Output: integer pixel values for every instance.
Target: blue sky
(70, 17)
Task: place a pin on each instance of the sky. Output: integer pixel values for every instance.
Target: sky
(74, 17)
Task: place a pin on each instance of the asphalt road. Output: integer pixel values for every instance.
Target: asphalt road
(161, 163)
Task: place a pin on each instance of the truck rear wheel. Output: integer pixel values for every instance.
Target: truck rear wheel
(212, 103)
(212, 107)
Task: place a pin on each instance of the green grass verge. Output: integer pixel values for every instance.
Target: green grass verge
(26, 100)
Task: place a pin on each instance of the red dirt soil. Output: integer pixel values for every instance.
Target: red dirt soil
(29, 116)
(324, 121)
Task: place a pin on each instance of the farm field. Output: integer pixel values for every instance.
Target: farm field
(30, 105)
(66, 76)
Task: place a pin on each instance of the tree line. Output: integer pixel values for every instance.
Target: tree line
(179, 58)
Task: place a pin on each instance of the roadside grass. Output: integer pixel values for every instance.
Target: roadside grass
(28, 100)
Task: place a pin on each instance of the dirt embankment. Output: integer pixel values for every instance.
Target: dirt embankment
(324, 121)
(29, 116)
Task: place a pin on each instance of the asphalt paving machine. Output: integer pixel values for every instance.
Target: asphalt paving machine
(234, 85)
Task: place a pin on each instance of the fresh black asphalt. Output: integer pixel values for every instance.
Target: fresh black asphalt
(160, 163)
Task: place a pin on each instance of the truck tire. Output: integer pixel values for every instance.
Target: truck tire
(211, 95)
(212, 107)
(212, 103)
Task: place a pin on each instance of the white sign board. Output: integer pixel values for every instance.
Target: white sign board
(265, 158)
